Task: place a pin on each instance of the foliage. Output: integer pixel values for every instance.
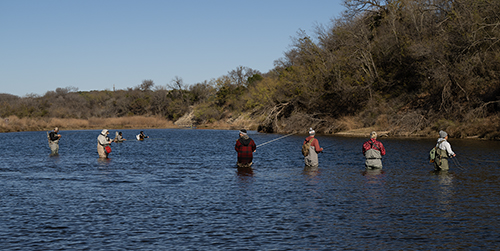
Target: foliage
(404, 65)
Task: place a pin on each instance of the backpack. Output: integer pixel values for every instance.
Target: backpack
(432, 155)
(306, 147)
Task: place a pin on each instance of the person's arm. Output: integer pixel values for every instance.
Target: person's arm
(365, 147)
(315, 143)
(382, 149)
(448, 149)
(254, 147)
(237, 146)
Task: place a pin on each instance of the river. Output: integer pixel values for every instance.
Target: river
(180, 190)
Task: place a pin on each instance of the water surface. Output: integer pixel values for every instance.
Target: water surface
(180, 190)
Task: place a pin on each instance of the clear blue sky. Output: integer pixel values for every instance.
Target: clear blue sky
(95, 44)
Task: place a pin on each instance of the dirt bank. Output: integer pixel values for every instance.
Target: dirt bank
(488, 128)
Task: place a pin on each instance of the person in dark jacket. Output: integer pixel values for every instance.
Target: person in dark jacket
(53, 138)
(141, 136)
(245, 146)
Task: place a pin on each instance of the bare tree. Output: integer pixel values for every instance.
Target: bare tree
(241, 74)
(146, 85)
(177, 83)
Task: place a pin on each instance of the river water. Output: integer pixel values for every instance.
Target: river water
(180, 190)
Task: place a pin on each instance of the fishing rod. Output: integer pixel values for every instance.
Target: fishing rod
(275, 139)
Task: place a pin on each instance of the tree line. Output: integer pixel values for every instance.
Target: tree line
(399, 65)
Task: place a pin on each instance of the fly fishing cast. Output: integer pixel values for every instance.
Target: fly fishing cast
(373, 151)
(103, 144)
(310, 149)
(245, 146)
(54, 138)
(141, 136)
(443, 152)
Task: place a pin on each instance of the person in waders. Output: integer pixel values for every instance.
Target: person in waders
(141, 136)
(103, 141)
(311, 158)
(245, 146)
(373, 151)
(53, 138)
(443, 152)
(118, 137)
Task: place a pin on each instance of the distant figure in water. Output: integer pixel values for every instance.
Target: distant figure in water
(53, 138)
(141, 136)
(443, 152)
(103, 142)
(245, 146)
(373, 151)
(311, 153)
(119, 137)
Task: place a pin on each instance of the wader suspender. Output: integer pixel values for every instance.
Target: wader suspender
(373, 143)
(438, 152)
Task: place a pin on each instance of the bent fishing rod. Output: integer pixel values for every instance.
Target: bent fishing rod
(276, 139)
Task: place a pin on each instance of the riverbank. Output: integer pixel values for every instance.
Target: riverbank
(486, 129)
(15, 124)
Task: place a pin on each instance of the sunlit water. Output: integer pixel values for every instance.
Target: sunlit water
(180, 190)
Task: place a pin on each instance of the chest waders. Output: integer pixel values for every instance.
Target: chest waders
(373, 157)
(441, 161)
(54, 145)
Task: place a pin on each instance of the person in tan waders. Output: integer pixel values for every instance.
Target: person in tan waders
(103, 141)
(443, 152)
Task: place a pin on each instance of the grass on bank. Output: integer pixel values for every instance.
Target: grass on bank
(483, 128)
(15, 124)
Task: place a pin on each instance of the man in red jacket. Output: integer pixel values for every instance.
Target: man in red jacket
(373, 151)
(245, 146)
(311, 160)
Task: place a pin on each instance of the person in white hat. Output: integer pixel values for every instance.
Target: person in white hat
(102, 142)
(311, 158)
(443, 152)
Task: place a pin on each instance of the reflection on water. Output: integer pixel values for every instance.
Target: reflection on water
(181, 190)
(244, 172)
(311, 170)
(445, 192)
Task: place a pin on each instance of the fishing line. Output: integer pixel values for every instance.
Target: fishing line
(455, 160)
(490, 161)
(275, 139)
(329, 145)
(67, 134)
